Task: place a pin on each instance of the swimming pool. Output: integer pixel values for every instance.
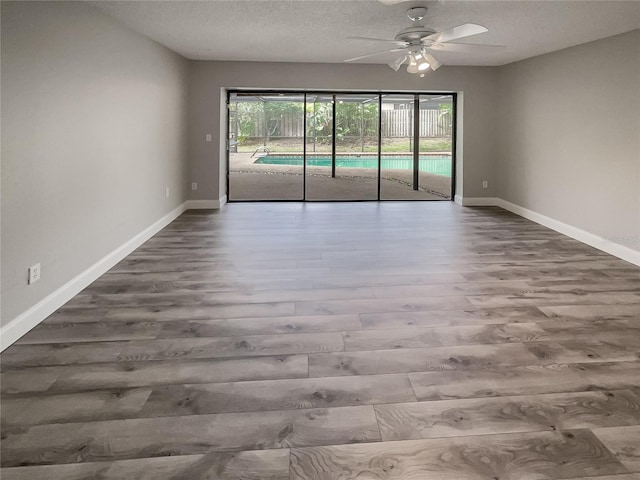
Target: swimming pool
(435, 164)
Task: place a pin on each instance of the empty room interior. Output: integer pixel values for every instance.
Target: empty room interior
(320, 240)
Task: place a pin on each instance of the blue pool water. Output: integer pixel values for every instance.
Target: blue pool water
(435, 164)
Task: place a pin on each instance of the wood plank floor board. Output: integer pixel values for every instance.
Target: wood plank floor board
(336, 307)
(116, 285)
(169, 312)
(91, 332)
(547, 264)
(560, 266)
(266, 271)
(278, 394)
(230, 297)
(442, 336)
(592, 312)
(248, 465)
(444, 318)
(624, 476)
(288, 341)
(471, 357)
(172, 299)
(524, 380)
(585, 286)
(351, 280)
(560, 298)
(465, 288)
(178, 348)
(26, 380)
(550, 455)
(74, 378)
(624, 443)
(621, 271)
(194, 434)
(535, 274)
(405, 360)
(465, 260)
(529, 413)
(613, 348)
(260, 326)
(70, 332)
(206, 299)
(610, 331)
(25, 410)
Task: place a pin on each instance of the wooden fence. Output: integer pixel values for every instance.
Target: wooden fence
(395, 124)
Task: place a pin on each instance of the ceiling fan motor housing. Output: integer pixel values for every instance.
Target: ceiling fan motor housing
(413, 34)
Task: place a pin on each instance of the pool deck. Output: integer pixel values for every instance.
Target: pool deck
(251, 181)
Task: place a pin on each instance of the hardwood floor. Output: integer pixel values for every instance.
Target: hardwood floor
(411, 341)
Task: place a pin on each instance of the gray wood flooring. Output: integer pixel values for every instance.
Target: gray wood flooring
(364, 341)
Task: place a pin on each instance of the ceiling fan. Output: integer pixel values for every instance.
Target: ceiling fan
(417, 42)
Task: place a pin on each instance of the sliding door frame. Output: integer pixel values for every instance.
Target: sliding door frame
(380, 95)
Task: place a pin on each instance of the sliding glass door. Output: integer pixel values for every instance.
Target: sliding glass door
(266, 147)
(324, 146)
(342, 147)
(320, 148)
(397, 138)
(436, 146)
(417, 147)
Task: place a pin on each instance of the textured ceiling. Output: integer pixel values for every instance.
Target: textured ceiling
(315, 30)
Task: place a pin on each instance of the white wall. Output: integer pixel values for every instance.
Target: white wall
(94, 125)
(569, 137)
(209, 78)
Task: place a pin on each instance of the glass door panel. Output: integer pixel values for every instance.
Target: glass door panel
(416, 147)
(266, 140)
(318, 180)
(342, 147)
(436, 143)
(356, 162)
(397, 145)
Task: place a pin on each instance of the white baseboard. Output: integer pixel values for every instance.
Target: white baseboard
(615, 249)
(457, 199)
(206, 204)
(27, 320)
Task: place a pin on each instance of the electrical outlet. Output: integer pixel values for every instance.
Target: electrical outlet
(166, 192)
(485, 184)
(194, 186)
(34, 273)
(208, 137)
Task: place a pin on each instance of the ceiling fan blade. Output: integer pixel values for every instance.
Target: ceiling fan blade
(355, 59)
(370, 39)
(433, 62)
(463, 47)
(455, 33)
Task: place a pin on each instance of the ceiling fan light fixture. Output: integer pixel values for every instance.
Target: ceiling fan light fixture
(413, 65)
(418, 40)
(433, 63)
(397, 63)
(417, 62)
